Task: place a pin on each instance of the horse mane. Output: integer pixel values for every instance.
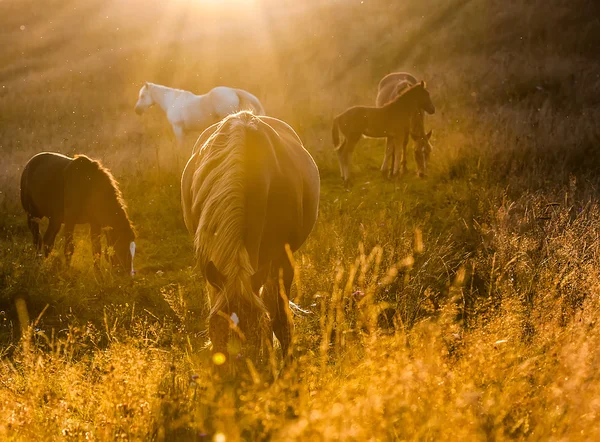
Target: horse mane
(219, 188)
(161, 86)
(404, 94)
(105, 178)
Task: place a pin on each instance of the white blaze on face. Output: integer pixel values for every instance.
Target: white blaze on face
(132, 251)
(235, 319)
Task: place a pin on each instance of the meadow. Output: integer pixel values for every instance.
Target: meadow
(462, 306)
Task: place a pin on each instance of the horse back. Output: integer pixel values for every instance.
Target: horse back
(253, 186)
(282, 192)
(366, 120)
(396, 77)
(42, 185)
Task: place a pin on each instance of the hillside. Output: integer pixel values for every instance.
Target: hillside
(462, 306)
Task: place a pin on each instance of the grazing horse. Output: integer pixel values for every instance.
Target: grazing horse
(389, 88)
(249, 190)
(391, 120)
(188, 112)
(76, 191)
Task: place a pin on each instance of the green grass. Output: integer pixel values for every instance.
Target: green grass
(459, 307)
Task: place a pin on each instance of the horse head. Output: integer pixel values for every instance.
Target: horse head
(123, 245)
(423, 150)
(425, 99)
(235, 325)
(144, 99)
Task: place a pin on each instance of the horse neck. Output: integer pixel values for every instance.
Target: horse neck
(164, 96)
(110, 212)
(119, 221)
(407, 101)
(417, 126)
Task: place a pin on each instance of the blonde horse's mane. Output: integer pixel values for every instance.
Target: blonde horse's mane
(219, 189)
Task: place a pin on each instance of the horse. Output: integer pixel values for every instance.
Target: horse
(249, 190)
(73, 191)
(188, 112)
(391, 120)
(390, 87)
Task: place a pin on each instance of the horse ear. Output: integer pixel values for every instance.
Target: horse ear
(213, 276)
(423, 84)
(429, 135)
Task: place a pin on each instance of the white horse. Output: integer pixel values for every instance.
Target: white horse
(188, 112)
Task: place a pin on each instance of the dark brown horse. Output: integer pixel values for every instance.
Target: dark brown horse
(76, 191)
(389, 121)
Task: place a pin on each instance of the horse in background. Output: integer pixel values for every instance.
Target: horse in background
(76, 191)
(389, 121)
(188, 112)
(248, 191)
(389, 88)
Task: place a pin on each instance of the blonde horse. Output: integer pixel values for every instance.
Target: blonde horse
(389, 88)
(188, 112)
(389, 121)
(248, 190)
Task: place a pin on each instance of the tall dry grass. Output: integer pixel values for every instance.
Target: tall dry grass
(459, 307)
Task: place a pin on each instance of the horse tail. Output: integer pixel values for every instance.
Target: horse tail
(250, 102)
(335, 136)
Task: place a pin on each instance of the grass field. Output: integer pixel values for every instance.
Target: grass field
(463, 306)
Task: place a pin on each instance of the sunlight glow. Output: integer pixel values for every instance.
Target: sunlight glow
(222, 3)
(219, 359)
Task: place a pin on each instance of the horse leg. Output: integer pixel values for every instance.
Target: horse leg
(389, 154)
(350, 145)
(397, 159)
(95, 233)
(69, 247)
(34, 227)
(180, 140)
(50, 235)
(341, 151)
(179, 134)
(109, 244)
(403, 160)
(278, 306)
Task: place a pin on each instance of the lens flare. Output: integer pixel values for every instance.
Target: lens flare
(219, 358)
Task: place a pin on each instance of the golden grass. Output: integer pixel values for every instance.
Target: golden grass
(460, 307)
